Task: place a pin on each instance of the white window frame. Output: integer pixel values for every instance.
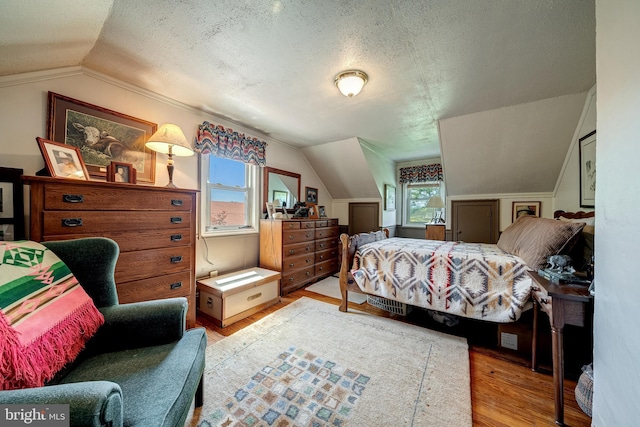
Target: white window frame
(253, 198)
(405, 198)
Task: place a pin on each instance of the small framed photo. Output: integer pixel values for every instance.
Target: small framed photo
(389, 197)
(62, 161)
(311, 195)
(271, 210)
(121, 172)
(525, 208)
(322, 212)
(313, 211)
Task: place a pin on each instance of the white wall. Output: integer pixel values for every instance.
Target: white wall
(617, 317)
(23, 117)
(567, 193)
(383, 171)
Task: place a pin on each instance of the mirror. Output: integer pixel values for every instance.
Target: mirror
(280, 185)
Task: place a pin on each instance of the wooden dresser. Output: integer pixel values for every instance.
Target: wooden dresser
(303, 250)
(154, 227)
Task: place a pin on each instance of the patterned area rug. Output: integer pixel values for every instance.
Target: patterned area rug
(331, 288)
(308, 364)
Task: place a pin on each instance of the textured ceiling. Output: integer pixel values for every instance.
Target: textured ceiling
(270, 65)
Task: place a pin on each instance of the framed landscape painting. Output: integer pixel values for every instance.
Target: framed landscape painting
(102, 136)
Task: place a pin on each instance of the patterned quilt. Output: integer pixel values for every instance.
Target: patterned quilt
(474, 280)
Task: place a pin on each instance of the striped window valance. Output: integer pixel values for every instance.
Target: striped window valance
(422, 173)
(225, 143)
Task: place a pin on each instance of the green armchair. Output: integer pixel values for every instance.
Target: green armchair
(142, 367)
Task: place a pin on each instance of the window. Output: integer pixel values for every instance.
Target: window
(416, 197)
(230, 196)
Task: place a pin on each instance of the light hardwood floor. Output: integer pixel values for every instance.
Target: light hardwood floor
(504, 390)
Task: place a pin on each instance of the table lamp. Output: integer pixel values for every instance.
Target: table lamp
(170, 140)
(437, 203)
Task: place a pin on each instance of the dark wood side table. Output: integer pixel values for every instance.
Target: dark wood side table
(434, 232)
(570, 305)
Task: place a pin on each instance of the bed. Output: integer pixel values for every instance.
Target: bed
(472, 280)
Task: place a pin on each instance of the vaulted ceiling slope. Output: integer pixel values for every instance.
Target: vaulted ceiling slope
(270, 65)
(518, 149)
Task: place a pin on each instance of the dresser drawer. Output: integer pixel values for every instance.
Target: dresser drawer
(153, 262)
(323, 233)
(296, 236)
(296, 278)
(96, 222)
(83, 197)
(327, 267)
(329, 243)
(298, 262)
(298, 249)
(165, 286)
(137, 240)
(308, 224)
(326, 255)
(291, 225)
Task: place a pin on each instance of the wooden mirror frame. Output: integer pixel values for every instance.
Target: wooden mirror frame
(265, 184)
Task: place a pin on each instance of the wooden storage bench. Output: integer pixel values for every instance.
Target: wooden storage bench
(234, 296)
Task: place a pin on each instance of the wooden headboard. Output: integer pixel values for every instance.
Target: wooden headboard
(573, 215)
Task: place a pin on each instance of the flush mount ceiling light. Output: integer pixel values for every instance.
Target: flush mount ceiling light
(351, 82)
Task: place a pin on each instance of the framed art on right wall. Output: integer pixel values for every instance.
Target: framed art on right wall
(588, 170)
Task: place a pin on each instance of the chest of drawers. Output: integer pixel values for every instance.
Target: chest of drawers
(153, 226)
(303, 250)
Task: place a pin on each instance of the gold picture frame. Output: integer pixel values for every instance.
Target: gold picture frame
(102, 136)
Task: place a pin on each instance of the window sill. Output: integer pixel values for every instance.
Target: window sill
(229, 233)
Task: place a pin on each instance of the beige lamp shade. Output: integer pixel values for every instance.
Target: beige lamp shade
(435, 202)
(169, 139)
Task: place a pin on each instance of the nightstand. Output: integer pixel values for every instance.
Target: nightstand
(434, 232)
(571, 304)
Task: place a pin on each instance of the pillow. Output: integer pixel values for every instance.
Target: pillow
(535, 239)
(45, 316)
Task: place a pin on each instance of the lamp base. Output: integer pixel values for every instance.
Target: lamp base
(170, 170)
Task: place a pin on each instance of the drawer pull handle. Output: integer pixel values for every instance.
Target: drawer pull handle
(308, 261)
(321, 257)
(308, 273)
(176, 202)
(176, 259)
(72, 198)
(72, 222)
(176, 220)
(308, 235)
(292, 264)
(291, 279)
(291, 236)
(322, 245)
(321, 268)
(292, 251)
(176, 285)
(256, 296)
(176, 237)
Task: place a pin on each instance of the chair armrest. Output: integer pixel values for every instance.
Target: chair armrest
(140, 324)
(92, 403)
